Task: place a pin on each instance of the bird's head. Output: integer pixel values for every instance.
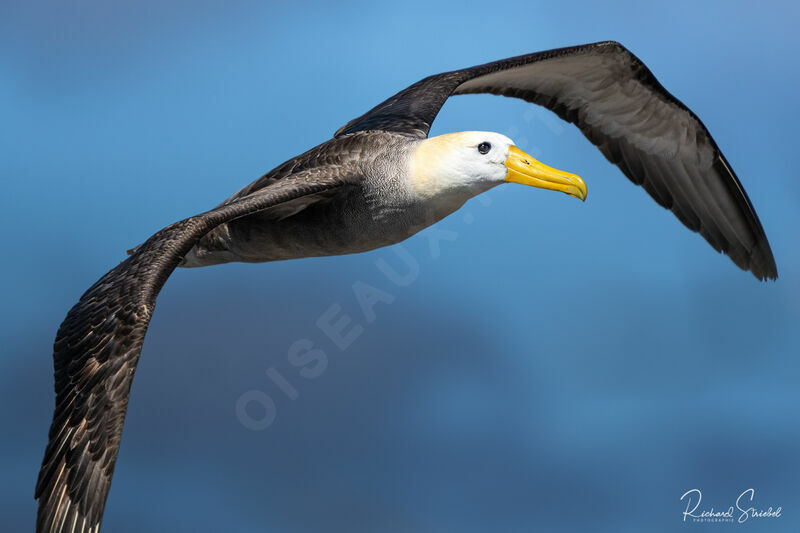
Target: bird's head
(471, 162)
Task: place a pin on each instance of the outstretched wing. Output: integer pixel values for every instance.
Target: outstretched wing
(96, 351)
(618, 104)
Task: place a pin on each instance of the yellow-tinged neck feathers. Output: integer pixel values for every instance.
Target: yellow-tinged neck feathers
(451, 163)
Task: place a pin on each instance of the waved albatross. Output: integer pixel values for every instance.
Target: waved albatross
(377, 182)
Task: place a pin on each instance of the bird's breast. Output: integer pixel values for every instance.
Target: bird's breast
(360, 219)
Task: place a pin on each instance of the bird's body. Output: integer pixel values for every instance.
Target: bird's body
(386, 202)
(377, 208)
(377, 182)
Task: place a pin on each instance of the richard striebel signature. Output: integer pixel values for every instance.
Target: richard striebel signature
(743, 506)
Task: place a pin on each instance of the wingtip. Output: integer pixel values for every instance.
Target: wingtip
(765, 269)
(769, 275)
(764, 259)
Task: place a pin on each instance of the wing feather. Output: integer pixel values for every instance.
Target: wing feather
(96, 351)
(614, 99)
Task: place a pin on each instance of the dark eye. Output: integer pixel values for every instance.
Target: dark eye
(484, 148)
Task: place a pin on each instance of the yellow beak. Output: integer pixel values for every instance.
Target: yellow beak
(524, 169)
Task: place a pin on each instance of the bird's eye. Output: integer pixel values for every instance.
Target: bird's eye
(484, 148)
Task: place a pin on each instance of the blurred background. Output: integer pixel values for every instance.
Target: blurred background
(545, 365)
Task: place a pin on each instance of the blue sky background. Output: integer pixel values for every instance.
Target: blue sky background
(557, 366)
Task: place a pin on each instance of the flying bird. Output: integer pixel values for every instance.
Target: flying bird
(378, 181)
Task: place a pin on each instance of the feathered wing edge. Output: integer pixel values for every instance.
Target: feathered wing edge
(95, 355)
(618, 104)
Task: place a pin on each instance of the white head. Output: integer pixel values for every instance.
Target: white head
(470, 162)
